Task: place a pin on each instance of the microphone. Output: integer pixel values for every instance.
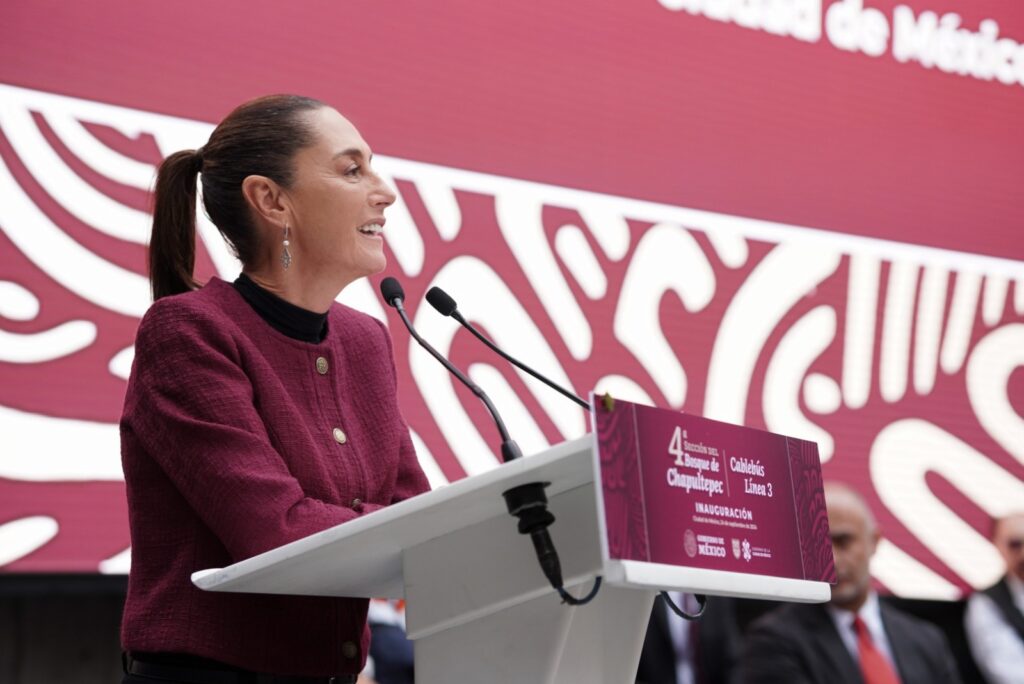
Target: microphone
(526, 502)
(394, 295)
(392, 292)
(446, 306)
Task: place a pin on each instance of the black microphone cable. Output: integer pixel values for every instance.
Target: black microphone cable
(702, 605)
(529, 504)
(526, 502)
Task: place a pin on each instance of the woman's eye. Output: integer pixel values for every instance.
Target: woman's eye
(353, 171)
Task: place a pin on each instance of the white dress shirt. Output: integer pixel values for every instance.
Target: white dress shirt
(872, 617)
(997, 648)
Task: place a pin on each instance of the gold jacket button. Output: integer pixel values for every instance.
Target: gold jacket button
(322, 366)
(339, 436)
(349, 650)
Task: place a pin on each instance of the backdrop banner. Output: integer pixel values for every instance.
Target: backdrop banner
(797, 216)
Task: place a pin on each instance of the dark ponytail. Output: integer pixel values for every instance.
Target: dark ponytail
(261, 138)
(172, 246)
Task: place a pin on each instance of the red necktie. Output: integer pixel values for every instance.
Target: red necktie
(873, 665)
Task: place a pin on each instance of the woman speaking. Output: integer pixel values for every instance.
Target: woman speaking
(259, 411)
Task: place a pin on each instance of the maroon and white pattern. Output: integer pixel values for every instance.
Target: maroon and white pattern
(904, 363)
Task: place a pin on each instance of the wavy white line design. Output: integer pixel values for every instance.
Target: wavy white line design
(102, 159)
(63, 259)
(118, 564)
(574, 251)
(992, 362)
(120, 364)
(517, 417)
(667, 259)
(960, 323)
(859, 346)
(608, 226)
(994, 299)
(731, 249)
(47, 168)
(822, 394)
(782, 278)
(903, 454)
(800, 347)
(898, 317)
(19, 538)
(227, 264)
(928, 332)
(40, 448)
(57, 342)
(519, 217)
(439, 199)
(17, 303)
(803, 329)
(905, 576)
(427, 461)
(491, 304)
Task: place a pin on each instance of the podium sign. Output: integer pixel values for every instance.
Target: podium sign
(683, 490)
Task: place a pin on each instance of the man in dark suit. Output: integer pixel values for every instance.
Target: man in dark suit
(701, 651)
(854, 639)
(994, 621)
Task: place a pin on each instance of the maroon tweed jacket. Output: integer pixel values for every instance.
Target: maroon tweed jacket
(236, 439)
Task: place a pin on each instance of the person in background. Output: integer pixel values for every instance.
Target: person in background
(391, 652)
(679, 651)
(261, 411)
(994, 621)
(855, 638)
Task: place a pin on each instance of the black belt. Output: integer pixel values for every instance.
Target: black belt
(204, 675)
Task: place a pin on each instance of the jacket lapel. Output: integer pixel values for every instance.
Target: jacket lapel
(830, 645)
(903, 651)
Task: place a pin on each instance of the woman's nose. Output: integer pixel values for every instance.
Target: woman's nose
(383, 195)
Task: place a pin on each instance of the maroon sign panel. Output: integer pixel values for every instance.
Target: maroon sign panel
(684, 490)
(797, 216)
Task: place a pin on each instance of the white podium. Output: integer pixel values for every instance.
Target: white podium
(478, 607)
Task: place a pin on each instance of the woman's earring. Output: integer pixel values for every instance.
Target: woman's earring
(286, 256)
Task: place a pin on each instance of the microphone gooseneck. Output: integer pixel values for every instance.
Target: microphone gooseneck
(446, 306)
(527, 502)
(391, 291)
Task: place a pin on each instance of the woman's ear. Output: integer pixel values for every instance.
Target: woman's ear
(266, 199)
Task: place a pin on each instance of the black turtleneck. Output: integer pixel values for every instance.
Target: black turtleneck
(285, 317)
